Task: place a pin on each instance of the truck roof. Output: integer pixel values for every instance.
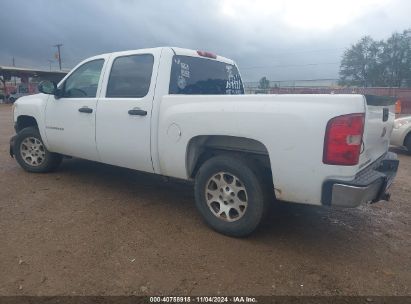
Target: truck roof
(193, 53)
(182, 52)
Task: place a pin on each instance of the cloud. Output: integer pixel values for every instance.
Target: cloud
(279, 39)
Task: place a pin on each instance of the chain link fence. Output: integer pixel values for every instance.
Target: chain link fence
(330, 86)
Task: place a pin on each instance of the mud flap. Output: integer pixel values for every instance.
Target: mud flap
(11, 146)
(389, 167)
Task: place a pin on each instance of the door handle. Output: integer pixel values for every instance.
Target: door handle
(85, 110)
(137, 112)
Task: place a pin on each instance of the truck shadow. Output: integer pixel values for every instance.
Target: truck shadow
(320, 230)
(400, 150)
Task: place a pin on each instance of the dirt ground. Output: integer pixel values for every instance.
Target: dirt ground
(94, 229)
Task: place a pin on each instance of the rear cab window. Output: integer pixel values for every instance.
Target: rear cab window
(201, 76)
(130, 76)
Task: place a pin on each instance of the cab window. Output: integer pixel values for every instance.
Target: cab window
(83, 82)
(130, 76)
(193, 75)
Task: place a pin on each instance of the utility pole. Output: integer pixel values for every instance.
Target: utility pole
(14, 64)
(58, 46)
(50, 62)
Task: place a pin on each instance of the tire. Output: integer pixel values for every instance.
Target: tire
(235, 215)
(12, 99)
(31, 154)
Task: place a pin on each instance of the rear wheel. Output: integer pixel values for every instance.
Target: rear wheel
(31, 153)
(230, 196)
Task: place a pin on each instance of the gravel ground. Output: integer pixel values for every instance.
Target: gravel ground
(94, 229)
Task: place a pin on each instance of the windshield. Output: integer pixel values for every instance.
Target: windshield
(193, 75)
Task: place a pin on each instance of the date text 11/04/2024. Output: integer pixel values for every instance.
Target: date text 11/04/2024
(219, 299)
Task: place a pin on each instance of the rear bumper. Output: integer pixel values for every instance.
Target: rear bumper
(369, 185)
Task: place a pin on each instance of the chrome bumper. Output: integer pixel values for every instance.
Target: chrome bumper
(370, 184)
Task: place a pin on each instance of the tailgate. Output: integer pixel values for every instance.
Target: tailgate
(379, 121)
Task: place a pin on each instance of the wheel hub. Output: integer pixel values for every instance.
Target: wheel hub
(226, 196)
(32, 151)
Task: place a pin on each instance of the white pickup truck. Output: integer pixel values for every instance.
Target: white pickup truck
(183, 114)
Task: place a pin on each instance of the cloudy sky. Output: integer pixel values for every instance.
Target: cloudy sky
(280, 39)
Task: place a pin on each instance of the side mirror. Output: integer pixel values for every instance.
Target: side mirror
(47, 87)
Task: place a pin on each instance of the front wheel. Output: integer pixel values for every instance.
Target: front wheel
(230, 196)
(31, 154)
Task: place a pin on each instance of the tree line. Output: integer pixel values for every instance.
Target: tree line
(383, 63)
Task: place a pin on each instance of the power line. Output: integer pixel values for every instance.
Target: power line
(308, 51)
(298, 52)
(289, 65)
(300, 80)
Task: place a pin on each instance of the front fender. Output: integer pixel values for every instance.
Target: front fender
(33, 106)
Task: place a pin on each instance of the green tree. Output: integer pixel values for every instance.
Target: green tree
(360, 63)
(264, 83)
(3, 88)
(396, 60)
(378, 63)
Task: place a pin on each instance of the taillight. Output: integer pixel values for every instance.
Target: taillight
(343, 140)
(207, 54)
(398, 107)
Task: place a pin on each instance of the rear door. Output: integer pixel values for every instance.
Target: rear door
(124, 110)
(379, 122)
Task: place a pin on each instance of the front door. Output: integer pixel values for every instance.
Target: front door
(71, 119)
(124, 111)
